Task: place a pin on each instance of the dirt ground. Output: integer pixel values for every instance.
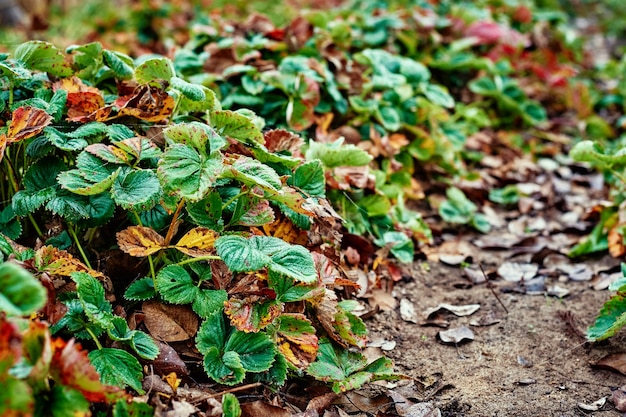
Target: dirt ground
(531, 363)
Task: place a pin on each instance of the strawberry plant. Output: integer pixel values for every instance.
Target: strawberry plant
(199, 194)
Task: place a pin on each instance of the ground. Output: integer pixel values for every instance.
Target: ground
(531, 363)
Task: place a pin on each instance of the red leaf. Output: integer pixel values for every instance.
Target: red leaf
(73, 369)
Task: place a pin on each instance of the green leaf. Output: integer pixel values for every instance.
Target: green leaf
(120, 64)
(92, 297)
(40, 186)
(611, 319)
(236, 126)
(196, 135)
(16, 396)
(592, 152)
(375, 205)
(67, 402)
(21, 294)
(117, 367)
(175, 285)
(137, 190)
(144, 345)
(192, 91)
(75, 181)
(154, 69)
(349, 370)
(229, 354)
(230, 406)
(208, 302)
(43, 56)
(337, 154)
(208, 211)
(438, 95)
(10, 225)
(140, 290)
(257, 252)
(310, 179)
(119, 331)
(253, 173)
(64, 141)
(401, 246)
(507, 195)
(132, 409)
(210, 102)
(187, 173)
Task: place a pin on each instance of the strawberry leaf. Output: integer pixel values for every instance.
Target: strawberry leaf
(21, 294)
(175, 285)
(117, 367)
(257, 252)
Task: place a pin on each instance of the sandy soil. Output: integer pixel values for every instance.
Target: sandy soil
(531, 363)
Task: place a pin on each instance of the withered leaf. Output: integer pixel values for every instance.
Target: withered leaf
(170, 323)
(59, 262)
(147, 103)
(461, 311)
(169, 361)
(456, 335)
(199, 241)
(613, 362)
(27, 122)
(284, 229)
(140, 241)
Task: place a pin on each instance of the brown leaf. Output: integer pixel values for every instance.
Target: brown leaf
(170, 323)
(263, 409)
(199, 241)
(277, 140)
(26, 122)
(613, 362)
(169, 361)
(147, 103)
(616, 242)
(140, 241)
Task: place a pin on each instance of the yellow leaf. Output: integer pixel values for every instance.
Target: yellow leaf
(59, 262)
(140, 241)
(199, 241)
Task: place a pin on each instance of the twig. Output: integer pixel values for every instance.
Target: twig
(236, 389)
(490, 286)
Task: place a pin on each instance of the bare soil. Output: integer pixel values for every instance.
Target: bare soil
(534, 362)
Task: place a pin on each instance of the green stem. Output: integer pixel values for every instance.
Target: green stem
(199, 259)
(93, 336)
(37, 229)
(80, 248)
(226, 204)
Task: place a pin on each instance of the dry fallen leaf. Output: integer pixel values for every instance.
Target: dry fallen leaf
(595, 406)
(515, 272)
(613, 362)
(263, 409)
(461, 311)
(169, 323)
(407, 408)
(407, 311)
(456, 335)
(486, 320)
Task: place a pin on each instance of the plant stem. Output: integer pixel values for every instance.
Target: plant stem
(93, 336)
(199, 259)
(170, 230)
(226, 204)
(80, 248)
